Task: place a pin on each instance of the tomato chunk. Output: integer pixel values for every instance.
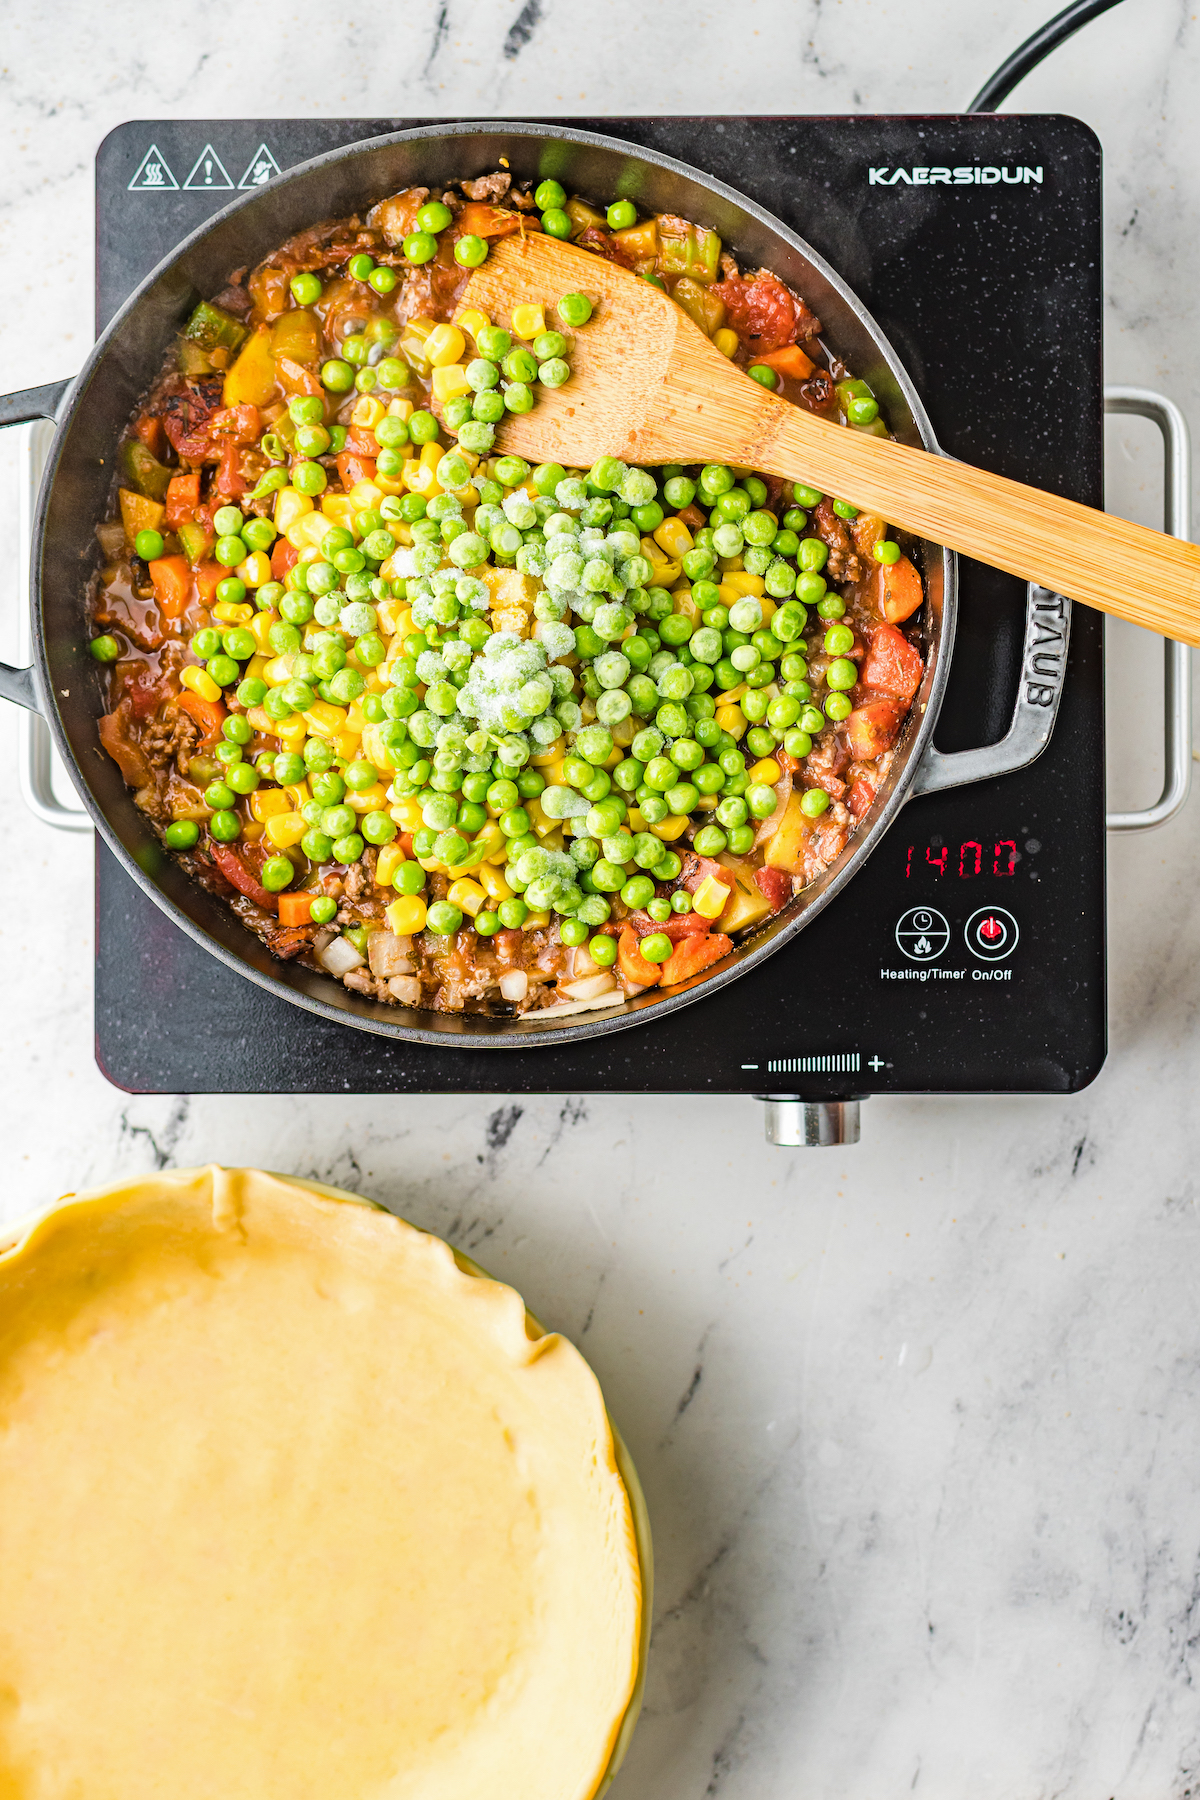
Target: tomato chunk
(762, 312)
(208, 714)
(872, 729)
(692, 955)
(892, 665)
(354, 469)
(679, 925)
(238, 875)
(897, 591)
(480, 219)
(283, 557)
(776, 884)
(861, 797)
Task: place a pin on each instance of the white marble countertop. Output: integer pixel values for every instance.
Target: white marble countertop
(917, 1420)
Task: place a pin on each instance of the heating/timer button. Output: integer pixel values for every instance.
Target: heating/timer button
(922, 934)
(991, 934)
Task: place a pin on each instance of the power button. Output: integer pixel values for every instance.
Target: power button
(991, 934)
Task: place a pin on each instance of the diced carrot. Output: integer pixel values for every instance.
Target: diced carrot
(208, 714)
(295, 909)
(150, 431)
(284, 556)
(898, 591)
(172, 578)
(183, 497)
(693, 954)
(479, 219)
(207, 577)
(354, 469)
(361, 442)
(633, 965)
(791, 360)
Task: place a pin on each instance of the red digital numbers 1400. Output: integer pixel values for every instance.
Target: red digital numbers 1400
(971, 859)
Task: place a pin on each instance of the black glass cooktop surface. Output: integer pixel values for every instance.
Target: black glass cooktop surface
(968, 954)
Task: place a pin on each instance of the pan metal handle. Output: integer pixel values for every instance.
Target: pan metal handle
(1177, 658)
(35, 760)
(1043, 670)
(20, 409)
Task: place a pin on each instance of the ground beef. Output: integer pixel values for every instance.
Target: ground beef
(843, 564)
(172, 737)
(488, 187)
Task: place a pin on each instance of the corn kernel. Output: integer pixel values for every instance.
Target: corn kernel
(711, 898)
(726, 341)
(449, 381)
(492, 841)
(325, 720)
(279, 669)
(339, 507)
(400, 409)
(731, 696)
(291, 732)
(200, 682)
(299, 794)
(528, 321)
(635, 820)
(289, 507)
(419, 480)
(466, 894)
(673, 826)
(536, 921)
(270, 803)
(674, 537)
(445, 345)
(421, 327)
(552, 753)
(493, 883)
(252, 833)
(406, 915)
(345, 744)
(767, 770)
(732, 719)
(365, 496)
(367, 412)
(407, 813)
(262, 722)
(472, 320)
(386, 864)
(255, 570)
(372, 799)
(261, 625)
(285, 829)
(744, 584)
(233, 612)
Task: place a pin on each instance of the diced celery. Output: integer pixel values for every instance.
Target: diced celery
(144, 470)
(211, 326)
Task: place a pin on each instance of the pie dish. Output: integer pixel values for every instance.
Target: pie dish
(296, 1500)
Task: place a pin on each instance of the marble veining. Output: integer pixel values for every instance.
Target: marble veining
(917, 1421)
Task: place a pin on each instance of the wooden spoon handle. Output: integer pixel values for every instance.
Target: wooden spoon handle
(1128, 570)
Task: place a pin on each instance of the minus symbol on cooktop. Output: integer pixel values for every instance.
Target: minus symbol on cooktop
(749, 1065)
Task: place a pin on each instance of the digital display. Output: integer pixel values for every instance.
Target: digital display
(964, 861)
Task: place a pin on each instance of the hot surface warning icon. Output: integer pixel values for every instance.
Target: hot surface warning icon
(209, 171)
(262, 167)
(153, 175)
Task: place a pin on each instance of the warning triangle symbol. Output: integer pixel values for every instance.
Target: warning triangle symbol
(208, 171)
(260, 170)
(153, 175)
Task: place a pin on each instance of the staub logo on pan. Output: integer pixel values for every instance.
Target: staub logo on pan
(1046, 647)
(972, 176)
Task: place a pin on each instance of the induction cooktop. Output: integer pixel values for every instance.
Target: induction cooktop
(968, 954)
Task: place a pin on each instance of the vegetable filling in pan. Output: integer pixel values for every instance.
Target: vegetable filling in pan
(466, 734)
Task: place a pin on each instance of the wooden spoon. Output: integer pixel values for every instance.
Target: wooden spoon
(647, 386)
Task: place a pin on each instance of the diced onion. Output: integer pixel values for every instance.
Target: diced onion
(514, 985)
(389, 955)
(340, 957)
(406, 989)
(589, 986)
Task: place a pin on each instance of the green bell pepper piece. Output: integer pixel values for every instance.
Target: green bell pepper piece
(211, 327)
(143, 469)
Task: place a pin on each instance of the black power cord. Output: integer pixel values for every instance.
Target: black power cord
(1054, 32)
